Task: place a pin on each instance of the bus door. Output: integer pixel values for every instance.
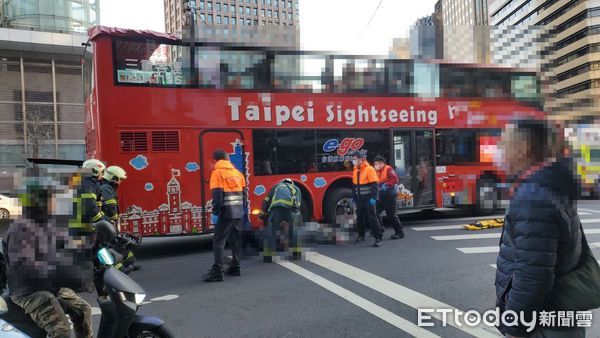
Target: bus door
(230, 140)
(412, 155)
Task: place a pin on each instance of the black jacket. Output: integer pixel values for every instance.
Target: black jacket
(541, 240)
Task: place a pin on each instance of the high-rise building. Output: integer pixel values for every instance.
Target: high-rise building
(466, 31)
(41, 92)
(423, 38)
(561, 37)
(237, 21)
(400, 48)
(50, 15)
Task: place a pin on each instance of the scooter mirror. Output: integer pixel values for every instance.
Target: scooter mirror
(105, 257)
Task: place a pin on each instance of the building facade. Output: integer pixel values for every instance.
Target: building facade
(563, 38)
(466, 30)
(41, 92)
(237, 21)
(423, 39)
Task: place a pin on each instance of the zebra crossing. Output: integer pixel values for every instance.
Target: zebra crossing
(487, 240)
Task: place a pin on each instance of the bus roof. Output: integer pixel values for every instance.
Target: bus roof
(97, 31)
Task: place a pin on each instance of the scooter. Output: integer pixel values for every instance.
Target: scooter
(119, 301)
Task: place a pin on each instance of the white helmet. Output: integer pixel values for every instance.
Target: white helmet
(114, 173)
(97, 166)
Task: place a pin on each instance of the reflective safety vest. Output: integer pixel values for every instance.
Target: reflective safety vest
(91, 200)
(364, 182)
(110, 202)
(283, 195)
(227, 186)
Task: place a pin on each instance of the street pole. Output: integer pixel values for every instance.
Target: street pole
(190, 7)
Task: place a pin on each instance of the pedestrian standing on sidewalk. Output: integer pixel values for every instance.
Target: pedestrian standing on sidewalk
(364, 193)
(542, 240)
(388, 180)
(228, 188)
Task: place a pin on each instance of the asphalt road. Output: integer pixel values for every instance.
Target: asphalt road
(350, 290)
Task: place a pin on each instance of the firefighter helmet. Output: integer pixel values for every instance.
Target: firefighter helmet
(96, 165)
(287, 180)
(114, 173)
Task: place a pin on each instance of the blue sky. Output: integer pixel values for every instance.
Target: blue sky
(331, 25)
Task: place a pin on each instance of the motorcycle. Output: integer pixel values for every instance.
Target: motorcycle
(119, 300)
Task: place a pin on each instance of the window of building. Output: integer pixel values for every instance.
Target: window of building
(255, 22)
(249, 22)
(232, 8)
(218, 19)
(226, 20)
(283, 152)
(225, 8)
(276, 14)
(210, 18)
(233, 21)
(270, 13)
(202, 17)
(201, 4)
(276, 3)
(247, 1)
(241, 10)
(209, 4)
(262, 12)
(248, 10)
(218, 7)
(255, 2)
(455, 146)
(289, 16)
(269, 2)
(264, 23)
(254, 11)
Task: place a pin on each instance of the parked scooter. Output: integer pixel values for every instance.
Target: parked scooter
(119, 300)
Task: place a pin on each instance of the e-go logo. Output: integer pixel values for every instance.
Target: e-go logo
(343, 147)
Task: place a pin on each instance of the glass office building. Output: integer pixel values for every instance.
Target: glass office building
(69, 16)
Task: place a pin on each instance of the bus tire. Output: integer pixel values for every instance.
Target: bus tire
(486, 197)
(305, 211)
(337, 201)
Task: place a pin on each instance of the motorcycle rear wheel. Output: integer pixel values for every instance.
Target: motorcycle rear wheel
(159, 332)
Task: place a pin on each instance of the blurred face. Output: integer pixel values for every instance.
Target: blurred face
(513, 152)
(378, 165)
(356, 161)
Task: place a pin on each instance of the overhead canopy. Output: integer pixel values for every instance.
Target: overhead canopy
(97, 31)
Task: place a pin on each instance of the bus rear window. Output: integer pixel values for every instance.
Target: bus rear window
(150, 63)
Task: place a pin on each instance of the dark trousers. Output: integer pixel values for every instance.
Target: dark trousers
(367, 214)
(279, 217)
(387, 203)
(227, 229)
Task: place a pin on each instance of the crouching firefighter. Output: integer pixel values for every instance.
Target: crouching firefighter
(282, 207)
(113, 177)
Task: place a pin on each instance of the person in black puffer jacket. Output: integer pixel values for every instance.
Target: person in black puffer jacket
(541, 238)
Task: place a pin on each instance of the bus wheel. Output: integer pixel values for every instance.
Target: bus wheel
(487, 197)
(340, 206)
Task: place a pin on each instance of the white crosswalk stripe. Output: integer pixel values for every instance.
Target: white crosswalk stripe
(480, 249)
(470, 236)
(435, 228)
(584, 213)
(395, 291)
(588, 210)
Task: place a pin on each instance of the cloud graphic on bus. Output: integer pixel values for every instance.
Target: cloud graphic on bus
(192, 166)
(320, 182)
(139, 162)
(149, 186)
(259, 190)
(303, 178)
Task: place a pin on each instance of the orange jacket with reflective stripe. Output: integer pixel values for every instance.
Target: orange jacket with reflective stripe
(387, 176)
(364, 182)
(227, 186)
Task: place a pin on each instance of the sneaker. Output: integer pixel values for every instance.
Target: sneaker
(234, 270)
(215, 274)
(360, 239)
(296, 256)
(377, 243)
(227, 260)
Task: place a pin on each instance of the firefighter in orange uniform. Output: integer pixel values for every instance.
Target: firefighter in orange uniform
(228, 188)
(365, 194)
(388, 180)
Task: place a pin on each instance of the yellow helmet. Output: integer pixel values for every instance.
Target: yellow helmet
(97, 166)
(114, 173)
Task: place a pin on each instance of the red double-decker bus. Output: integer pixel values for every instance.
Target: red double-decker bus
(159, 107)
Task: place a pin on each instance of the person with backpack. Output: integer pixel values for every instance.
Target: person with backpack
(544, 262)
(282, 205)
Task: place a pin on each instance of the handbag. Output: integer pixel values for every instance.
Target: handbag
(578, 290)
